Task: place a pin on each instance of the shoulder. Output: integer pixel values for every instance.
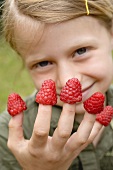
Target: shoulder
(109, 96)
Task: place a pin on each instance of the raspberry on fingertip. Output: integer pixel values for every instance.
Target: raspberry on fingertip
(105, 116)
(95, 103)
(71, 92)
(47, 94)
(15, 104)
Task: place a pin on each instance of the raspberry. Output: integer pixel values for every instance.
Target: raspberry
(105, 116)
(95, 103)
(15, 104)
(47, 94)
(71, 92)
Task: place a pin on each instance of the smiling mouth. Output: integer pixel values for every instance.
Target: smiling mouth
(86, 91)
(58, 95)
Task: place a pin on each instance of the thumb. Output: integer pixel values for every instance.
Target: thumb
(15, 131)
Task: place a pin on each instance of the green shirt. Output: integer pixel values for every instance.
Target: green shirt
(99, 158)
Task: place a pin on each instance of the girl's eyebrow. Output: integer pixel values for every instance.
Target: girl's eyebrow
(77, 43)
(35, 58)
(82, 42)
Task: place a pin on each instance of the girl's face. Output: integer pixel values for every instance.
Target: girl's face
(80, 48)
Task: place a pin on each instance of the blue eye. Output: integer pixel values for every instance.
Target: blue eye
(44, 63)
(81, 51)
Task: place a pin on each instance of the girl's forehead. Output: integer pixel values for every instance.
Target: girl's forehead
(26, 29)
(31, 32)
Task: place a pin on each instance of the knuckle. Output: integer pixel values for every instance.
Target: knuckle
(13, 146)
(81, 140)
(53, 158)
(70, 110)
(32, 151)
(14, 126)
(91, 122)
(89, 119)
(70, 148)
(98, 129)
(10, 125)
(90, 140)
(10, 145)
(64, 134)
(40, 133)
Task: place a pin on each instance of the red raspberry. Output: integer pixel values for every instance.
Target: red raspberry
(47, 94)
(71, 92)
(95, 103)
(15, 104)
(105, 116)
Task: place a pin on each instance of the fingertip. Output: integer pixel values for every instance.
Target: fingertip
(89, 116)
(16, 120)
(15, 130)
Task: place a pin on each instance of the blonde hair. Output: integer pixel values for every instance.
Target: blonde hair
(51, 11)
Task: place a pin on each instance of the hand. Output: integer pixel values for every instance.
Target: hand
(43, 152)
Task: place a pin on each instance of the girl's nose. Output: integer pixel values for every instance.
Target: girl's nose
(66, 73)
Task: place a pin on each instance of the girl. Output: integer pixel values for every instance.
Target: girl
(59, 40)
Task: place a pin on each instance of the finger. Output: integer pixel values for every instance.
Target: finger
(96, 132)
(86, 126)
(41, 126)
(65, 125)
(15, 131)
(84, 130)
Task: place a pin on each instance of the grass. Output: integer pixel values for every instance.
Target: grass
(13, 78)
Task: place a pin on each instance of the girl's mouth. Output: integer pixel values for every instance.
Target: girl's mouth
(87, 92)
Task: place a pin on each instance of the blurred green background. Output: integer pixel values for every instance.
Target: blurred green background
(13, 76)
